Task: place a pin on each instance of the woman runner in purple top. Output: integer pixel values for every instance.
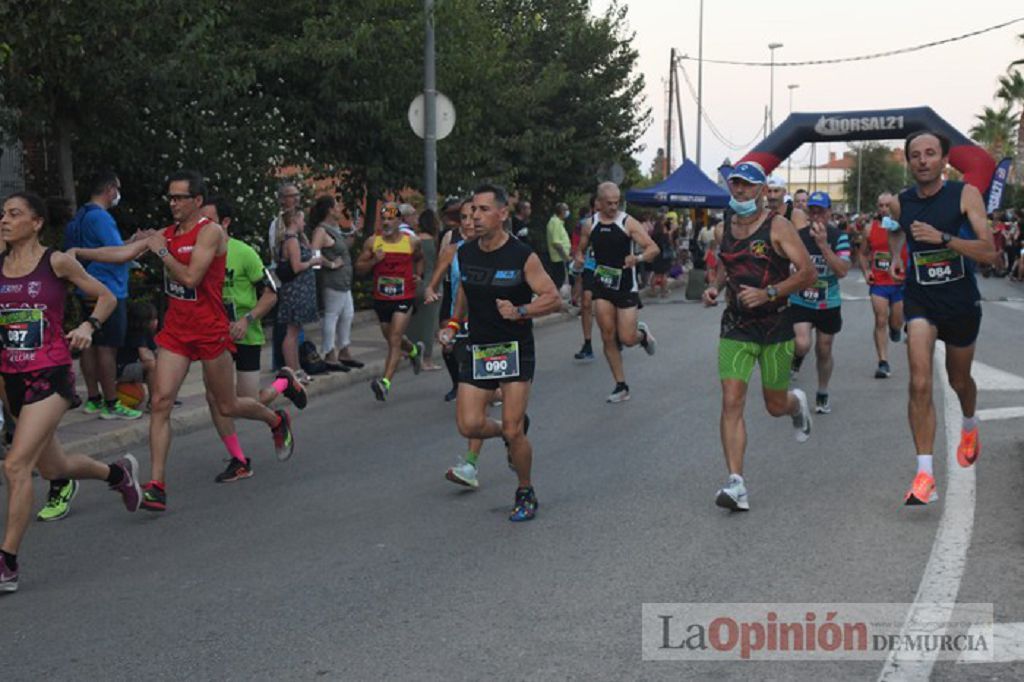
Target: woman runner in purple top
(35, 363)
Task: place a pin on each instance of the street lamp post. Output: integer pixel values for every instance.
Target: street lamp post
(771, 96)
(789, 161)
(429, 110)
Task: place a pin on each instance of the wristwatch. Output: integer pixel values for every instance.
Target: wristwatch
(946, 238)
(96, 324)
(249, 318)
(772, 291)
(522, 311)
(162, 253)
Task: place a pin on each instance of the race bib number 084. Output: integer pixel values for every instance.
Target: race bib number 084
(496, 361)
(940, 266)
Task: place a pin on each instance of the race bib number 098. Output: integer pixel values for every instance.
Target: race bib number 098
(496, 361)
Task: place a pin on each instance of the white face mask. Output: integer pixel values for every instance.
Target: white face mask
(116, 200)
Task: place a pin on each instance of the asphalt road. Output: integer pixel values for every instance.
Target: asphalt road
(356, 560)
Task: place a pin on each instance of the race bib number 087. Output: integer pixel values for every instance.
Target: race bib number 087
(23, 328)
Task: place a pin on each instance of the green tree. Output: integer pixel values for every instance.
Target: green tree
(878, 173)
(1011, 91)
(995, 131)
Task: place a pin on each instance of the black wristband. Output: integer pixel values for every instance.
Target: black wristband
(96, 324)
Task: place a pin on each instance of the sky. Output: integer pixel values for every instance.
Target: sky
(956, 80)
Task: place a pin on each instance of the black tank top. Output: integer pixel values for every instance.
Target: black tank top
(488, 276)
(753, 262)
(938, 278)
(611, 244)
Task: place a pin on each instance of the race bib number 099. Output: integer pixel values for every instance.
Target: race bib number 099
(940, 266)
(178, 290)
(23, 329)
(496, 361)
(392, 287)
(610, 278)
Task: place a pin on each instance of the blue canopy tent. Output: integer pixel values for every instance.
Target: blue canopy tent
(686, 187)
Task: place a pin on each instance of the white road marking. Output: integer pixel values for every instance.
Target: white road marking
(940, 583)
(1007, 645)
(989, 378)
(996, 413)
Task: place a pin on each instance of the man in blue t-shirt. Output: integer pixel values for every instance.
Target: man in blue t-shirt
(93, 227)
(818, 307)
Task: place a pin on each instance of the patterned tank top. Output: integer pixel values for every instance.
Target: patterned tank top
(753, 261)
(32, 319)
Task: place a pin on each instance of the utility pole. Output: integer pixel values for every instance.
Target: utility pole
(860, 159)
(429, 111)
(679, 115)
(700, 77)
(789, 160)
(671, 90)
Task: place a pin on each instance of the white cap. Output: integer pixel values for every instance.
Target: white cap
(776, 181)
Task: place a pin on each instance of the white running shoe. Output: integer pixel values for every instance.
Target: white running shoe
(619, 395)
(463, 473)
(649, 343)
(802, 422)
(734, 495)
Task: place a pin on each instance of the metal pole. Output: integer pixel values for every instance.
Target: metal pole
(860, 158)
(771, 95)
(700, 77)
(671, 89)
(430, 111)
(789, 160)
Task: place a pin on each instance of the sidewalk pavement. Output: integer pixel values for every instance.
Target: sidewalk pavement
(87, 434)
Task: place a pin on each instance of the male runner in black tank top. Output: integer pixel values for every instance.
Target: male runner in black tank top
(616, 289)
(941, 301)
(754, 268)
(777, 202)
(499, 277)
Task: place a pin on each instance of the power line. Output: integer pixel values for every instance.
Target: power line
(866, 57)
(711, 126)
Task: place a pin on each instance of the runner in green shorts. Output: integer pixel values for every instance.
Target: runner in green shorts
(761, 261)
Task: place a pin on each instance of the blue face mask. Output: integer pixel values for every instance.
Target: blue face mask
(890, 224)
(743, 208)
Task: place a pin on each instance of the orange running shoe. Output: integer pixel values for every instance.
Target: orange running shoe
(922, 490)
(969, 450)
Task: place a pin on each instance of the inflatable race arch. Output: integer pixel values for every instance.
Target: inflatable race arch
(976, 164)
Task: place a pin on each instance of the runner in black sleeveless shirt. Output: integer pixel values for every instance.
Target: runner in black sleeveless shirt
(945, 229)
(616, 289)
(757, 247)
(499, 277)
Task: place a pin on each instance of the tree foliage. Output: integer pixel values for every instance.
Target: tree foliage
(545, 94)
(878, 173)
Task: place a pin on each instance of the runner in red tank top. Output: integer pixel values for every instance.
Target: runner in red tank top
(193, 252)
(886, 292)
(35, 362)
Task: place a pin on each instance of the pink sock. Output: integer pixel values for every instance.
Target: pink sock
(280, 385)
(234, 447)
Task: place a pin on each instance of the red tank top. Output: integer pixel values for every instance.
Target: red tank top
(393, 277)
(878, 254)
(32, 319)
(195, 311)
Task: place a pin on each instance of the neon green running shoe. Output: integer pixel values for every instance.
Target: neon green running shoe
(93, 406)
(59, 503)
(119, 411)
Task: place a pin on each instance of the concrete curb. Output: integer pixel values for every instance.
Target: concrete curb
(184, 420)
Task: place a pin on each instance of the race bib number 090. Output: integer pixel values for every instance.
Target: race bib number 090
(496, 361)
(940, 266)
(23, 329)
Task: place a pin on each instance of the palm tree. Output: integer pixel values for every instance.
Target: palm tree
(1011, 91)
(995, 131)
